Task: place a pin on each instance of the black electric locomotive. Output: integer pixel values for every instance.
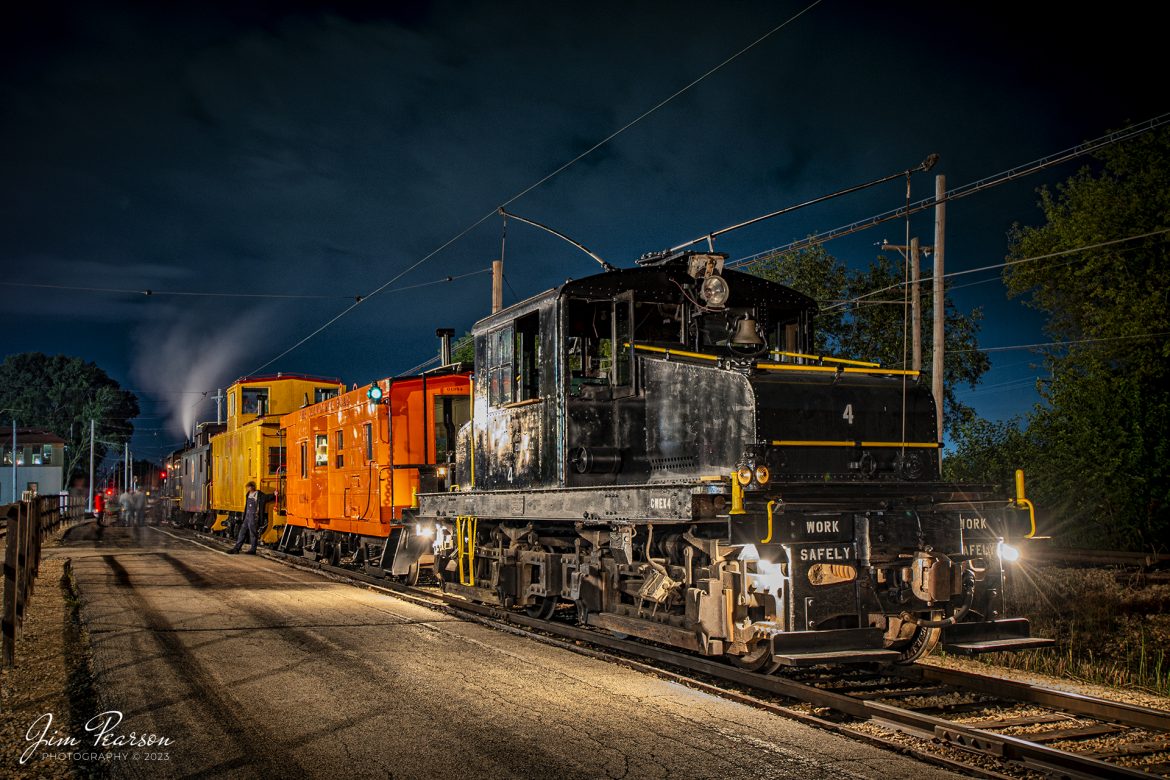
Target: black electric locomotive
(657, 447)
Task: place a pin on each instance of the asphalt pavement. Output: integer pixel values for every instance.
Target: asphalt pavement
(251, 668)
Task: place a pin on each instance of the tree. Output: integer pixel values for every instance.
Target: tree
(62, 394)
(463, 351)
(987, 451)
(1101, 449)
(872, 327)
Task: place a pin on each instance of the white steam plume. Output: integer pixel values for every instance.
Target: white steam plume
(192, 357)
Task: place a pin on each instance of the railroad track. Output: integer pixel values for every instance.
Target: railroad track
(1013, 725)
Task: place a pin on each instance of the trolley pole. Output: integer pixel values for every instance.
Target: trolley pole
(218, 406)
(936, 368)
(913, 256)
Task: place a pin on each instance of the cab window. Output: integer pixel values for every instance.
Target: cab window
(500, 345)
(527, 354)
(598, 346)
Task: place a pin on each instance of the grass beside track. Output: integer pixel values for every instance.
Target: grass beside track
(1110, 628)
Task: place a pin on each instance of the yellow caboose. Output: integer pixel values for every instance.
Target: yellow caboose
(251, 449)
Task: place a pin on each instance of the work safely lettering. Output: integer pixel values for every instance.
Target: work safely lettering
(826, 553)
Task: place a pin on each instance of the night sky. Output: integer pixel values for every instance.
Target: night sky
(321, 149)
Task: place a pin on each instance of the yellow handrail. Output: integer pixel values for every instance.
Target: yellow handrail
(767, 539)
(679, 352)
(465, 531)
(1022, 501)
(931, 445)
(823, 358)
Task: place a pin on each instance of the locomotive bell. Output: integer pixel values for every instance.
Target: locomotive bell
(746, 335)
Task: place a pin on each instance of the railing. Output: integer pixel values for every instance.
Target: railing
(27, 522)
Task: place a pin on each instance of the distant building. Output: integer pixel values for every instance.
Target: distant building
(40, 463)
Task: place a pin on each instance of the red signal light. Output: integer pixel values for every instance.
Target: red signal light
(162, 475)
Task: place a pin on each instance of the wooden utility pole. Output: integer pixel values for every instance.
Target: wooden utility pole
(913, 256)
(91, 487)
(497, 285)
(915, 305)
(936, 366)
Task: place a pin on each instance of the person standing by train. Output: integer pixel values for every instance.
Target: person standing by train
(138, 507)
(254, 502)
(126, 505)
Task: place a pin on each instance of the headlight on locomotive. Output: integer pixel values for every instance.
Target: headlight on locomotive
(714, 291)
(1007, 553)
(763, 475)
(744, 475)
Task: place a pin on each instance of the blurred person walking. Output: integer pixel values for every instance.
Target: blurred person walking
(254, 503)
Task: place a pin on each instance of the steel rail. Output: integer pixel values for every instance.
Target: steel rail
(1005, 747)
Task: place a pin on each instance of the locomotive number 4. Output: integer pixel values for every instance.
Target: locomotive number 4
(848, 414)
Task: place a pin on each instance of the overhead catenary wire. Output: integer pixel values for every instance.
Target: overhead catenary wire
(1006, 263)
(217, 294)
(557, 171)
(1069, 342)
(962, 191)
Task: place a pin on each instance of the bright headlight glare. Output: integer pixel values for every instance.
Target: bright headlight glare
(423, 530)
(1008, 553)
(744, 475)
(763, 475)
(714, 291)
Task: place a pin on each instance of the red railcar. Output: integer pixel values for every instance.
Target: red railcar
(355, 462)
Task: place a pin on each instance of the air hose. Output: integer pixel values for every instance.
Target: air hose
(968, 598)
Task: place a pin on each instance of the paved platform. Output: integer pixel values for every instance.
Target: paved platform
(254, 669)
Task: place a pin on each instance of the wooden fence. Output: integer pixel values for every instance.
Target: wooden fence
(27, 524)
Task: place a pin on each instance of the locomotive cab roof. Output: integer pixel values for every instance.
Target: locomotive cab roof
(667, 281)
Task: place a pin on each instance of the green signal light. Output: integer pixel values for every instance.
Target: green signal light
(374, 393)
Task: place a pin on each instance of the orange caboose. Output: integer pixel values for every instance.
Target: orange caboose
(355, 462)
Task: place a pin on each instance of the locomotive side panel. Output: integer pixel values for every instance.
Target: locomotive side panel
(699, 419)
(513, 442)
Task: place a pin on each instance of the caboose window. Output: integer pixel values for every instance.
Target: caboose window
(254, 400)
(322, 454)
(369, 442)
(323, 393)
(339, 458)
(304, 459)
(275, 460)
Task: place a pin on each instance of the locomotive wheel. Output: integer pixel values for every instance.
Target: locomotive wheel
(410, 579)
(923, 641)
(543, 609)
(756, 660)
